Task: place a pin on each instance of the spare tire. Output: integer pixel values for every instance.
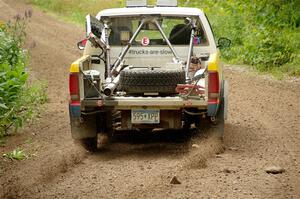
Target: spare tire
(147, 81)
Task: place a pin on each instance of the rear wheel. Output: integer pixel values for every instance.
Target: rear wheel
(89, 144)
(190, 117)
(104, 129)
(101, 125)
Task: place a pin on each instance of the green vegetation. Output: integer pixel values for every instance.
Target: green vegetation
(16, 154)
(2, 142)
(18, 99)
(75, 10)
(264, 34)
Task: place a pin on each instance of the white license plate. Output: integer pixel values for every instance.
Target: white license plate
(144, 116)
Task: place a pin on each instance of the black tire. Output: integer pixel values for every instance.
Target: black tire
(189, 119)
(89, 144)
(103, 127)
(159, 81)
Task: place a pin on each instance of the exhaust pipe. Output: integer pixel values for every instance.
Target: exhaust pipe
(110, 88)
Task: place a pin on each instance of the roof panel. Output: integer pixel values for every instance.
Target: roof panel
(169, 11)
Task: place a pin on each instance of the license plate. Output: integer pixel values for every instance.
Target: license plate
(144, 116)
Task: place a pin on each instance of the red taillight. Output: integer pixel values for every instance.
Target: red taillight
(74, 87)
(213, 86)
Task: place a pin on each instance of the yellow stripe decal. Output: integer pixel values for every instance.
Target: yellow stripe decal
(75, 65)
(214, 62)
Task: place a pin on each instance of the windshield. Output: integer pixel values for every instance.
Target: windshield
(177, 30)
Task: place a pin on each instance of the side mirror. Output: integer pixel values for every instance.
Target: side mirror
(94, 27)
(224, 43)
(81, 44)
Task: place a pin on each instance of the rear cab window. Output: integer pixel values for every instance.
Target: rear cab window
(175, 28)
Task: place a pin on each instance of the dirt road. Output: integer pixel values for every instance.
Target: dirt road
(262, 130)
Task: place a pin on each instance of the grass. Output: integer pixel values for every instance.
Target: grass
(2, 142)
(19, 154)
(75, 10)
(16, 154)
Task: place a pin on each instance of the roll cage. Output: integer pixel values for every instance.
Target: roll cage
(112, 69)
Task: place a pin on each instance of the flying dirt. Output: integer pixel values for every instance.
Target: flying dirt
(262, 131)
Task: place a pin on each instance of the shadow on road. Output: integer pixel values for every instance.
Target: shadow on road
(160, 144)
(144, 137)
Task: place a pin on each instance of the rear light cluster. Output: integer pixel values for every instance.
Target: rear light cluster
(74, 88)
(213, 87)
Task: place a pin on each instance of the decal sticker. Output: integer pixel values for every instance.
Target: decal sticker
(150, 52)
(145, 41)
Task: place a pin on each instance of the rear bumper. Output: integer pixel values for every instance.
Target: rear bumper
(127, 103)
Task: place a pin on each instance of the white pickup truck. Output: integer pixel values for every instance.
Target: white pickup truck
(146, 67)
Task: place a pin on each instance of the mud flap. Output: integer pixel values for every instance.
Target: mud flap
(212, 110)
(222, 110)
(82, 126)
(225, 98)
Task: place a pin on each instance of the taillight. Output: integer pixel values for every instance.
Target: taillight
(213, 87)
(74, 87)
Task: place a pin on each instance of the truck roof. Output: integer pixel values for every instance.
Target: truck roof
(164, 11)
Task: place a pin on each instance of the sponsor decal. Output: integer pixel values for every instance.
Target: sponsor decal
(150, 52)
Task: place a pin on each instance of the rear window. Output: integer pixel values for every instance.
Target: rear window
(176, 29)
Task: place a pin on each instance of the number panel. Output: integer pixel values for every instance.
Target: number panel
(144, 116)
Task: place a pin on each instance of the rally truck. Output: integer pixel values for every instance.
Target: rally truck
(146, 68)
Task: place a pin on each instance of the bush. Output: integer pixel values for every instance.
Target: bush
(264, 34)
(17, 99)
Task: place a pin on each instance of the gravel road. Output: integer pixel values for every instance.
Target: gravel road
(262, 130)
